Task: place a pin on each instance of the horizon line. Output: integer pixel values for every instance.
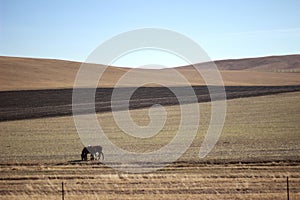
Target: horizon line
(217, 60)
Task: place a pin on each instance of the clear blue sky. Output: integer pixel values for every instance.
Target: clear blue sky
(72, 29)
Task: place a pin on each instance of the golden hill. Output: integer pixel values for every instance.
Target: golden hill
(32, 73)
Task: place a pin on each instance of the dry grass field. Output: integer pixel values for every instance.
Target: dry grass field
(258, 148)
(184, 182)
(31, 73)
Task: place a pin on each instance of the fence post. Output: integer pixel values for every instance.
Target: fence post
(62, 191)
(287, 188)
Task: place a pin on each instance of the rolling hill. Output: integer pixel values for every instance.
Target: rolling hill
(286, 63)
(32, 73)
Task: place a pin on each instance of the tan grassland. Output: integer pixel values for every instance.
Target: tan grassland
(258, 148)
(32, 73)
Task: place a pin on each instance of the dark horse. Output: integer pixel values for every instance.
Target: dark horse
(94, 151)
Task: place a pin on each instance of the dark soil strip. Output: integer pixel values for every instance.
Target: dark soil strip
(30, 104)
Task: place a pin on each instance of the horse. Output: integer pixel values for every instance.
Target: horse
(94, 151)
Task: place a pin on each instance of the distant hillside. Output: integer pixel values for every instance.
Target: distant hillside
(32, 73)
(287, 63)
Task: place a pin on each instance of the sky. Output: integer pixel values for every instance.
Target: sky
(72, 29)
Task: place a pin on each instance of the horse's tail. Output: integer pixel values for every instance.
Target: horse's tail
(102, 155)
